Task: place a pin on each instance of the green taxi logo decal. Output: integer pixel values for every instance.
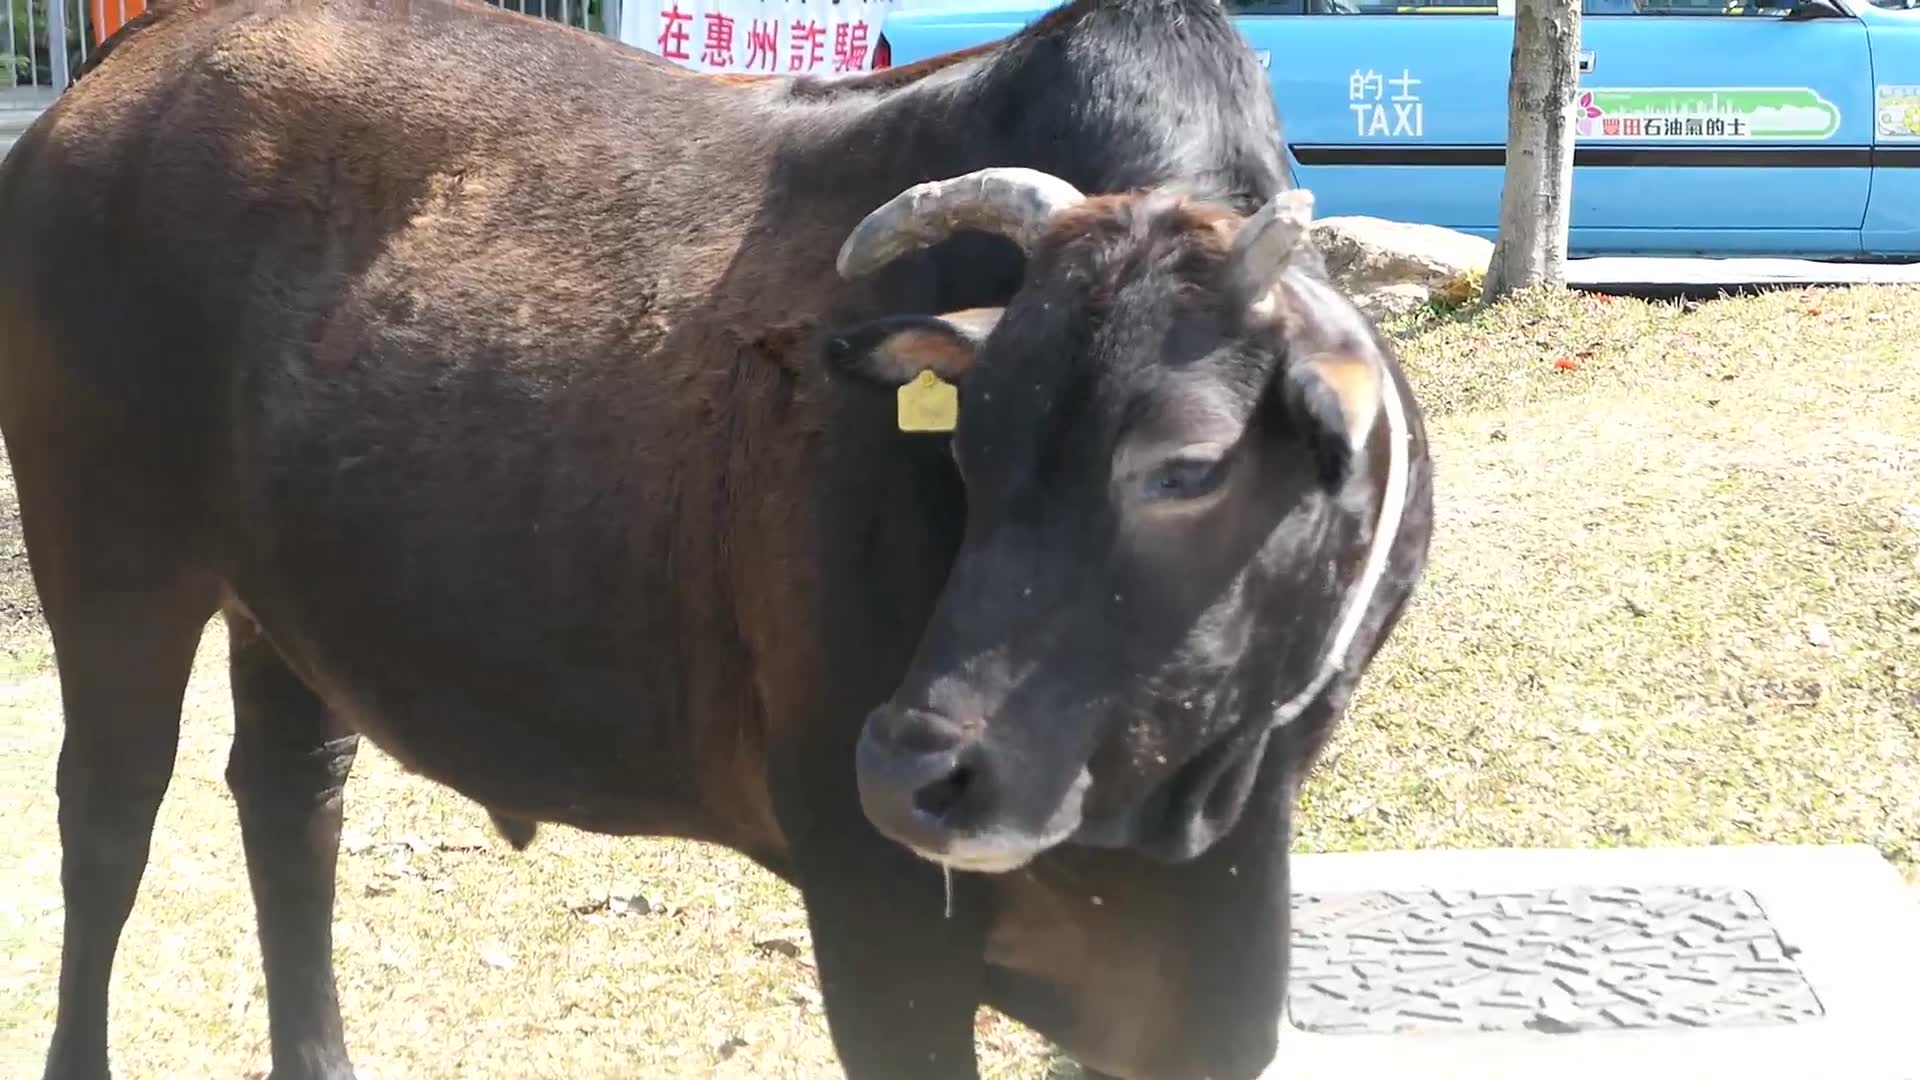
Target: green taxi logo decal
(1896, 111)
(1667, 112)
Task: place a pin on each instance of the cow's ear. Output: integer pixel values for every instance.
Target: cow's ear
(893, 350)
(1328, 383)
(1333, 398)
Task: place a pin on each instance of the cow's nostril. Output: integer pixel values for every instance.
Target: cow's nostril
(922, 781)
(915, 734)
(941, 796)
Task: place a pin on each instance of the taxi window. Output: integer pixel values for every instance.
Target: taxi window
(1694, 8)
(1363, 7)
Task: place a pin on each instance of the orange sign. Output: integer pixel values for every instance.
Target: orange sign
(110, 15)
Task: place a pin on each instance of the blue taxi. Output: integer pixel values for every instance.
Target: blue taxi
(1704, 127)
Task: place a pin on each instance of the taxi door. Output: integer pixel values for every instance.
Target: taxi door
(1703, 126)
(1390, 108)
(1722, 125)
(1892, 226)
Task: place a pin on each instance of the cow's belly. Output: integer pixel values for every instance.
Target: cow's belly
(534, 735)
(511, 595)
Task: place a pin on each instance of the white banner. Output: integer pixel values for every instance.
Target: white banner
(822, 38)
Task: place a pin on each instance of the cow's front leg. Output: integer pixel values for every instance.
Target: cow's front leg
(288, 772)
(901, 981)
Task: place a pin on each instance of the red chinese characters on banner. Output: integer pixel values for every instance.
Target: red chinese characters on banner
(763, 44)
(850, 46)
(719, 50)
(673, 33)
(809, 45)
(811, 37)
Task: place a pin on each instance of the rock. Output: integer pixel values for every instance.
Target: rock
(1393, 267)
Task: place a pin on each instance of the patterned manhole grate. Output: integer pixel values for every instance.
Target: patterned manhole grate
(1559, 961)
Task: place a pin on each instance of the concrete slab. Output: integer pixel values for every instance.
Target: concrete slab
(1747, 961)
(1705, 277)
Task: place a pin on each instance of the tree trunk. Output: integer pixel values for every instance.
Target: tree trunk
(1531, 248)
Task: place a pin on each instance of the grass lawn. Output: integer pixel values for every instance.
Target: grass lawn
(1674, 598)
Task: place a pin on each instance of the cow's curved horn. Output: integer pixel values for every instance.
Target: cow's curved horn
(1014, 202)
(1269, 238)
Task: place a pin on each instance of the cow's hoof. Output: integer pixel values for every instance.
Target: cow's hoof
(64, 1073)
(516, 831)
(309, 1072)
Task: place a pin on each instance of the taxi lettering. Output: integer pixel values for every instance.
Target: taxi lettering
(1375, 113)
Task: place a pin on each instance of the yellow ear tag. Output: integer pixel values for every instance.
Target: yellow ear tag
(928, 403)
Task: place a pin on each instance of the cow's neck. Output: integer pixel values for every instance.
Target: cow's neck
(865, 147)
(1010, 106)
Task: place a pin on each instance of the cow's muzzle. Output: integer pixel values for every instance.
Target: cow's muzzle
(927, 783)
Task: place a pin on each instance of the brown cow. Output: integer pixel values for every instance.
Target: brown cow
(502, 438)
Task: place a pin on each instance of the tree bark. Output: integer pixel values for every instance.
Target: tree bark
(1535, 199)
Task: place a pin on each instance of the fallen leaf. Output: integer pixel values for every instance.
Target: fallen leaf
(778, 945)
(612, 903)
(1565, 364)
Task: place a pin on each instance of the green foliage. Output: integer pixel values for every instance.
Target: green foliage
(30, 61)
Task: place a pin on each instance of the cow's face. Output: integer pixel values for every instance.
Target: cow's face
(1162, 440)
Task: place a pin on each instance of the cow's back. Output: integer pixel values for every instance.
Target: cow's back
(257, 150)
(419, 331)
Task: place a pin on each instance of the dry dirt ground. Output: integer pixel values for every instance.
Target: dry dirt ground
(1674, 598)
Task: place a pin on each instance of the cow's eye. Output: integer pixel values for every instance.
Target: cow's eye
(1185, 478)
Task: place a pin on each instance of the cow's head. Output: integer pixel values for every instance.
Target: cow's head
(1173, 441)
